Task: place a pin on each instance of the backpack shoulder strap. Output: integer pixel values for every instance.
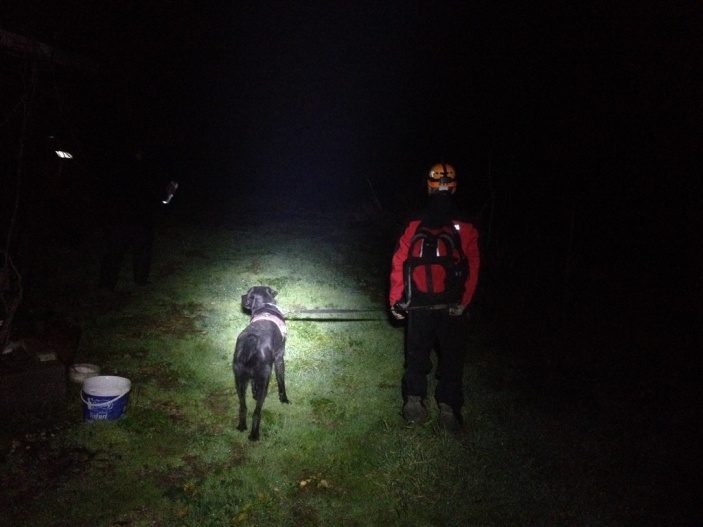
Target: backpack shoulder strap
(446, 225)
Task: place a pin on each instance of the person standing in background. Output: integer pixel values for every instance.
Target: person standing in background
(434, 274)
(131, 200)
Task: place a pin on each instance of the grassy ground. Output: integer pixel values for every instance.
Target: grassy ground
(339, 454)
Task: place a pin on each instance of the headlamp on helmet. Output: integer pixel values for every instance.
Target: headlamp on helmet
(441, 179)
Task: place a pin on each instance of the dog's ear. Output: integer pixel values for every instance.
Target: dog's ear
(271, 292)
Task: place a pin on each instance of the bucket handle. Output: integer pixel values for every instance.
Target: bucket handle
(104, 404)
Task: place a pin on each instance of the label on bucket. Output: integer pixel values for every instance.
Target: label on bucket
(105, 398)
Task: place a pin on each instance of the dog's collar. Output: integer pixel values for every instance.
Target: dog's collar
(269, 305)
(276, 318)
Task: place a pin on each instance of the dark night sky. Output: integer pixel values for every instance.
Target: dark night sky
(311, 98)
(314, 95)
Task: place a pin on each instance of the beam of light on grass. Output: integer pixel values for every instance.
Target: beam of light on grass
(292, 257)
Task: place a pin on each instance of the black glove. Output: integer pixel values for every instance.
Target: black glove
(397, 312)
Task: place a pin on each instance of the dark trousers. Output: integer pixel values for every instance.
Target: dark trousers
(139, 239)
(436, 329)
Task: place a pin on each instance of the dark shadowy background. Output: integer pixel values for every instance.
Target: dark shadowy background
(315, 97)
(575, 127)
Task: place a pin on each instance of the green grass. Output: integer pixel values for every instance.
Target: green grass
(339, 454)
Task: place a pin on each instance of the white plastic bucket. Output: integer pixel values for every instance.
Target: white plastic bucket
(105, 397)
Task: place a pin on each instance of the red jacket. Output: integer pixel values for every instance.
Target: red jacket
(469, 242)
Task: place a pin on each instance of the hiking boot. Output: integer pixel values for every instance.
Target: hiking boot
(414, 410)
(450, 420)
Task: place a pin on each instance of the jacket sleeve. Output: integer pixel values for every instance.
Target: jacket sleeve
(469, 240)
(399, 256)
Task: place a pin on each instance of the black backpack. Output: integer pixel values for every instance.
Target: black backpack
(436, 269)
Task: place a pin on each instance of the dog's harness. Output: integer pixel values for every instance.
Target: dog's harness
(273, 317)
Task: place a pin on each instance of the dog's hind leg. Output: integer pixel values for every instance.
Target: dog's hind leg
(280, 369)
(241, 381)
(259, 386)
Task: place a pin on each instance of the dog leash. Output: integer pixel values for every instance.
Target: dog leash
(338, 311)
(428, 308)
(332, 310)
(293, 314)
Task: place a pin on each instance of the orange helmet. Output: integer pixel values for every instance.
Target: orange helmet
(441, 179)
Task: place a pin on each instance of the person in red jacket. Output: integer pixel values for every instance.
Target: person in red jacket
(443, 324)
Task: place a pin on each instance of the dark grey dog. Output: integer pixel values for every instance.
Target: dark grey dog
(260, 347)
